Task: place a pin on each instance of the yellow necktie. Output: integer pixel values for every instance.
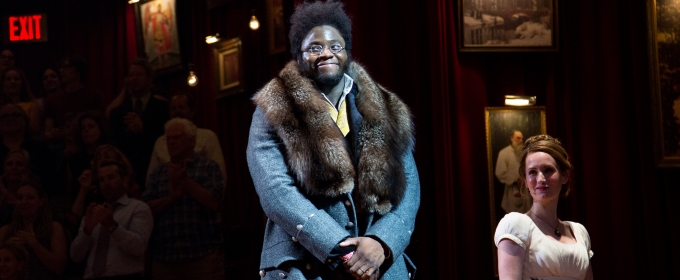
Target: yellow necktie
(340, 117)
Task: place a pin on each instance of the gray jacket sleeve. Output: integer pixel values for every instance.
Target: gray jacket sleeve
(395, 228)
(281, 199)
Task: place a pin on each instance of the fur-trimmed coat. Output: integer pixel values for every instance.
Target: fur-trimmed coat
(312, 181)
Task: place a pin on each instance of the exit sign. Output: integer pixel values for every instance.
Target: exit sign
(27, 28)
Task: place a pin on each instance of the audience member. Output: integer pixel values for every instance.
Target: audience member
(138, 121)
(207, 144)
(75, 98)
(17, 169)
(16, 88)
(90, 132)
(14, 134)
(183, 195)
(114, 235)
(12, 261)
(88, 192)
(7, 59)
(32, 227)
(51, 86)
(88, 189)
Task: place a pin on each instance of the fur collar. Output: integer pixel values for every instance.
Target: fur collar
(315, 148)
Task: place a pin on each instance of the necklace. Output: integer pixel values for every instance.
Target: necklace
(557, 232)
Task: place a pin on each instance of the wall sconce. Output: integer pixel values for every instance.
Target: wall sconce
(132, 1)
(520, 100)
(254, 23)
(192, 79)
(212, 38)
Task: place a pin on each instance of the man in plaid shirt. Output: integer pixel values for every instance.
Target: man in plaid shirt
(184, 198)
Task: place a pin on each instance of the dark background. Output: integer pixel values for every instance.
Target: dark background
(596, 90)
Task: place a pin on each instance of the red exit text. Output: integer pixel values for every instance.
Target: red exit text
(28, 28)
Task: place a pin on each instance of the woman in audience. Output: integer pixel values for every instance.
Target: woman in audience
(51, 86)
(32, 227)
(537, 244)
(89, 132)
(13, 135)
(17, 168)
(7, 59)
(12, 261)
(16, 88)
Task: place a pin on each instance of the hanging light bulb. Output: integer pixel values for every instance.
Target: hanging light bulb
(254, 24)
(192, 80)
(132, 1)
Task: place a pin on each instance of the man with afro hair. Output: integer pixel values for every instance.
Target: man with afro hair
(330, 154)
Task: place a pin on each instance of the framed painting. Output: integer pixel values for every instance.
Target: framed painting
(157, 39)
(229, 67)
(507, 26)
(506, 129)
(664, 52)
(276, 26)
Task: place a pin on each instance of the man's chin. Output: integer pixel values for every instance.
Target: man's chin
(328, 79)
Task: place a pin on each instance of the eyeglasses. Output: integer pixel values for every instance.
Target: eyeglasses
(318, 49)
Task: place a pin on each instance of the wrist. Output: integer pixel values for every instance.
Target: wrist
(386, 250)
(112, 227)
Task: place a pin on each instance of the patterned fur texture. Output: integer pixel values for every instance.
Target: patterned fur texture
(315, 149)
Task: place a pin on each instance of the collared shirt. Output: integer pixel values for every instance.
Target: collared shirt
(128, 241)
(207, 145)
(144, 99)
(345, 90)
(186, 230)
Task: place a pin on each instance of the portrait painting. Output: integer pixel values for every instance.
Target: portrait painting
(507, 25)
(229, 67)
(506, 129)
(276, 26)
(158, 28)
(664, 46)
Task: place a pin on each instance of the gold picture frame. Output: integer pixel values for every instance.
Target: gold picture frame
(664, 69)
(501, 123)
(157, 35)
(229, 67)
(507, 26)
(276, 26)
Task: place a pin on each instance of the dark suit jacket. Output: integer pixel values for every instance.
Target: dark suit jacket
(138, 147)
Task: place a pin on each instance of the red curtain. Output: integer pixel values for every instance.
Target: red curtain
(596, 91)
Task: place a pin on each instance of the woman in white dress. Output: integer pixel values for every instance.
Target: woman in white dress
(536, 244)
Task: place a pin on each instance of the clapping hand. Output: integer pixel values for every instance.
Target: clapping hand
(133, 123)
(177, 172)
(24, 237)
(367, 258)
(97, 214)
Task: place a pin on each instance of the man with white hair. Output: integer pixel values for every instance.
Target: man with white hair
(507, 171)
(207, 143)
(183, 195)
